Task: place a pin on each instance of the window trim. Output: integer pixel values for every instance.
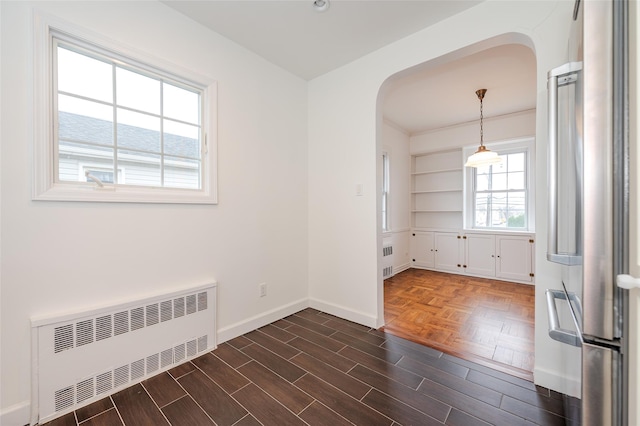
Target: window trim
(526, 144)
(386, 187)
(45, 186)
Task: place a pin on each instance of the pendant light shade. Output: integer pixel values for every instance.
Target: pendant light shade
(483, 156)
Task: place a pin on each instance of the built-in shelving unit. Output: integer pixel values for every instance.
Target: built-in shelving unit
(436, 195)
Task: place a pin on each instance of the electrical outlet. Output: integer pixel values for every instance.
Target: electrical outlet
(263, 289)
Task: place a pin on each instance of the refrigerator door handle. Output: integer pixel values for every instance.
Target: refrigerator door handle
(562, 75)
(555, 331)
(628, 282)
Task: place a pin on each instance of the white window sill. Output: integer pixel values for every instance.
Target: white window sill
(120, 194)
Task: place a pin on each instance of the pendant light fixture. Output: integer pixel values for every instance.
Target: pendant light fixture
(482, 157)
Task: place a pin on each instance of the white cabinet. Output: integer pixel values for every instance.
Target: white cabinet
(479, 255)
(514, 258)
(506, 257)
(436, 196)
(422, 250)
(447, 251)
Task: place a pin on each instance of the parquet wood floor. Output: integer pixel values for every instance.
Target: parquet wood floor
(486, 321)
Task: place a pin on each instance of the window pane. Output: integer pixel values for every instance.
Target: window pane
(181, 139)
(141, 168)
(482, 209)
(500, 167)
(180, 104)
(482, 182)
(84, 121)
(516, 180)
(137, 91)
(499, 209)
(73, 156)
(499, 181)
(181, 173)
(516, 210)
(516, 162)
(84, 76)
(138, 131)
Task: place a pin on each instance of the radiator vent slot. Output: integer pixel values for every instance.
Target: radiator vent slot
(63, 338)
(387, 272)
(80, 358)
(387, 251)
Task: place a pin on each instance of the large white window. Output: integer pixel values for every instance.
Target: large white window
(500, 196)
(116, 112)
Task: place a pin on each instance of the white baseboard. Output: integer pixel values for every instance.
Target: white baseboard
(401, 268)
(16, 415)
(253, 323)
(345, 313)
(557, 382)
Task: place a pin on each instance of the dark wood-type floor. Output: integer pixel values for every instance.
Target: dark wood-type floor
(482, 320)
(312, 368)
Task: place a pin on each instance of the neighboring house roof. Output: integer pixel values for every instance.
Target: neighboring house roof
(80, 128)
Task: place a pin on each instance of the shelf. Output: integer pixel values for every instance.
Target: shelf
(432, 191)
(457, 169)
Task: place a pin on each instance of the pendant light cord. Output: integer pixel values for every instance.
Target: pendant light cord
(480, 93)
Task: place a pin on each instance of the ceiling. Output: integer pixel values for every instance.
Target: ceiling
(292, 35)
(445, 95)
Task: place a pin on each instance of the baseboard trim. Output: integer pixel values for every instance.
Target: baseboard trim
(253, 323)
(345, 313)
(401, 268)
(557, 382)
(16, 415)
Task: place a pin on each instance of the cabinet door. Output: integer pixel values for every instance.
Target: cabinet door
(479, 259)
(514, 258)
(447, 250)
(421, 248)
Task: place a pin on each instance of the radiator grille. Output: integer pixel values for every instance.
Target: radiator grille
(93, 355)
(387, 272)
(387, 251)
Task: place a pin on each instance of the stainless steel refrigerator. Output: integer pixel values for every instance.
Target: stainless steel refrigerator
(588, 223)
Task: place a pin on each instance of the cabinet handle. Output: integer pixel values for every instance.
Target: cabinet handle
(464, 238)
(498, 255)
(458, 236)
(492, 256)
(464, 266)
(459, 265)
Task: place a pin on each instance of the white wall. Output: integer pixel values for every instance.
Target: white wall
(395, 142)
(60, 256)
(345, 137)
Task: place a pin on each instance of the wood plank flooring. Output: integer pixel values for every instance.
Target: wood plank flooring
(315, 369)
(482, 320)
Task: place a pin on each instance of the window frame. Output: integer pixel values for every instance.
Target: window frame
(386, 186)
(46, 186)
(526, 145)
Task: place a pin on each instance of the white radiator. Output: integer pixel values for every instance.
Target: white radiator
(82, 357)
(387, 259)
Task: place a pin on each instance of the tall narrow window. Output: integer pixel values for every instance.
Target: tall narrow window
(385, 192)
